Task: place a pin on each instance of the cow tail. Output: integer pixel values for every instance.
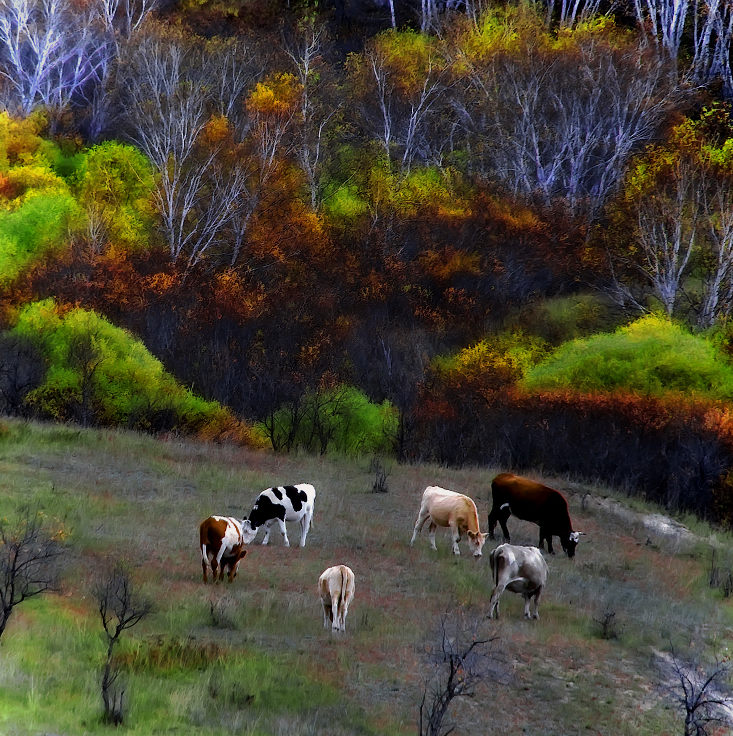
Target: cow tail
(498, 559)
(343, 586)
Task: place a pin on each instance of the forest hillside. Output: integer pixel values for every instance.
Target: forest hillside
(488, 233)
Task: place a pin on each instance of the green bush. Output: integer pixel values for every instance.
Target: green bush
(101, 374)
(340, 419)
(34, 230)
(651, 356)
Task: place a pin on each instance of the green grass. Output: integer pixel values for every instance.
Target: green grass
(253, 658)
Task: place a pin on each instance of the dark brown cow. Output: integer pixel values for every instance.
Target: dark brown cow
(222, 546)
(532, 501)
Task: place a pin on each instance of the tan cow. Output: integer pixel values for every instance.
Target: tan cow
(336, 588)
(520, 570)
(450, 509)
(222, 546)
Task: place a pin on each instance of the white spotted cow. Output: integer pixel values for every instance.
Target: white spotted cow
(336, 588)
(450, 509)
(276, 506)
(222, 546)
(520, 570)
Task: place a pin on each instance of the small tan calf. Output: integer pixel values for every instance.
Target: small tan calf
(336, 588)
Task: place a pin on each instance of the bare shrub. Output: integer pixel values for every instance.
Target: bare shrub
(29, 561)
(719, 578)
(120, 608)
(608, 625)
(461, 661)
(380, 472)
(699, 689)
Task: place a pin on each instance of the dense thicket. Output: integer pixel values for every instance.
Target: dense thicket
(304, 217)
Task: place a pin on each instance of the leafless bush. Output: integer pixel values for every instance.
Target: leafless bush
(380, 472)
(120, 608)
(221, 612)
(719, 578)
(29, 561)
(461, 662)
(698, 689)
(608, 624)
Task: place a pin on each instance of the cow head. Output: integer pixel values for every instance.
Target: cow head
(571, 543)
(248, 531)
(476, 542)
(233, 562)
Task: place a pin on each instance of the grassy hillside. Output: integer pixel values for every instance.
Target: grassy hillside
(252, 657)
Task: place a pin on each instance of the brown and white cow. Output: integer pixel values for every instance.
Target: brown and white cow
(453, 510)
(336, 588)
(222, 546)
(532, 501)
(520, 570)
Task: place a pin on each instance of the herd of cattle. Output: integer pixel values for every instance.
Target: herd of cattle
(517, 569)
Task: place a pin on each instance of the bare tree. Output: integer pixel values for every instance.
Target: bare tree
(670, 24)
(398, 103)
(120, 608)
(305, 52)
(29, 562)
(700, 692)
(169, 104)
(50, 51)
(568, 13)
(717, 238)
(667, 222)
(461, 663)
(564, 125)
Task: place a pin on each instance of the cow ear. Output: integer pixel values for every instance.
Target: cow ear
(242, 554)
(471, 535)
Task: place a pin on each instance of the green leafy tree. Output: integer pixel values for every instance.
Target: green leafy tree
(99, 373)
(115, 189)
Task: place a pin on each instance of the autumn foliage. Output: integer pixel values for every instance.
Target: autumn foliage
(382, 246)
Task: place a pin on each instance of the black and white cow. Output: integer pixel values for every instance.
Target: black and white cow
(276, 506)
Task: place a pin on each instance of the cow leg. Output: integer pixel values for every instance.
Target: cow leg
(283, 531)
(537, 595)
(494, 601)
(456, 536)
(336, 625)
(217, 563)
(500, 514)
(204, 563)
(326, 613)
(342, 613)
(544, 535)
(305, 523)
(527, 599)
(504, 513)
(431, 534)
(422, 517)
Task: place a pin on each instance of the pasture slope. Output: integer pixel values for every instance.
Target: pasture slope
(252, 657)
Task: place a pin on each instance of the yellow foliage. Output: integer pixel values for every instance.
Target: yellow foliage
(275, 97)
(20, 139)
(217, 130)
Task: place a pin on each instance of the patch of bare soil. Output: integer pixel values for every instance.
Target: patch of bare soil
(657, 524)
